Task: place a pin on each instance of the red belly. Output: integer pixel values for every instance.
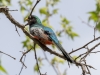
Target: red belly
(44, 41)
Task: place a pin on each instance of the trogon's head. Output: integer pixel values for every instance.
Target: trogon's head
(33, 20)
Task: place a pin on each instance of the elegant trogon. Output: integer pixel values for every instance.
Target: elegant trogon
(46, 35)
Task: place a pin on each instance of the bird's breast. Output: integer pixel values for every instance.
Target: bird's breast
(39, 34)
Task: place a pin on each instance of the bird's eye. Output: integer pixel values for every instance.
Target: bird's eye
(30, 17)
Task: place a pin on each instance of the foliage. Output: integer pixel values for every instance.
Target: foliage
(2, 69)
(5, 2)
(95, 16)
(40, 64)
(25, 7)
(67, 28)
(57, 60)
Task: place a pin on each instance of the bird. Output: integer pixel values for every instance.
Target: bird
(45, 35)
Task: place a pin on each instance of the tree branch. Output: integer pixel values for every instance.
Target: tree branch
(84, 45)
(45, 48)
(34, 7)
(22, 27)
(36, 58)
(8, 55)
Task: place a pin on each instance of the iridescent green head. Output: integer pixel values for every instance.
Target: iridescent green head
(33, 20)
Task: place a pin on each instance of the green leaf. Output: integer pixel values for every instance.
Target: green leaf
(45, 23)
(93, 16)
(40, 64)
(98, 6)
(58, 33)
(53, 2)
(70, 33)
(43, 10)
(55, 11)
(57, 60)
(64, 20)
(29, 2)
(36, 68)
(67, 28)
(98, 26)
(22, 9)
(28, 43)
(6, 2)
(74, 57)
(54, 47)
(2, 69)
(73, 34)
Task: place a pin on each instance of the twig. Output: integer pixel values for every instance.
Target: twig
(91, 50)
(58, 69)
(44, 74)
(83, 67)
(50, 63)
(95, 52)
(32, 10)
(94, 32)
(83, 70)
(13, 10)
(87, 53)
(85, 45)
(36, 58)
(3, 7)
(87, 68)
(8, 55)
(86, 23)
(17, 30)
(22, 65)
(24, 53)
(34, 7)
(79, 56)
(45, 48)
(84, 54)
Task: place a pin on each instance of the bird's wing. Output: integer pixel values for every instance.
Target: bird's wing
(53, 37)
(48, 31)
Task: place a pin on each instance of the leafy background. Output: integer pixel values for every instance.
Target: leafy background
(64, 18)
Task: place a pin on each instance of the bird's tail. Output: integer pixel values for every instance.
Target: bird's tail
(66, 55)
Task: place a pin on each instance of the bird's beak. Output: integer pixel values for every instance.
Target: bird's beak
(26, 19)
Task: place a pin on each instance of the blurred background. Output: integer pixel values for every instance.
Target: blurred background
(71, 20)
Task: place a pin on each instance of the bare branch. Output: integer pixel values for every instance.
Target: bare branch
(8, 55)
(36, 58)
(45, 48)
(58, 69)
(91, 50)
(95, 52)
(17, 30)
(84, 45)
(86, 23)
(50, 63)
(94, 32)
(22, 66)
(24, 53)
(34, 7)
(4, 10)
